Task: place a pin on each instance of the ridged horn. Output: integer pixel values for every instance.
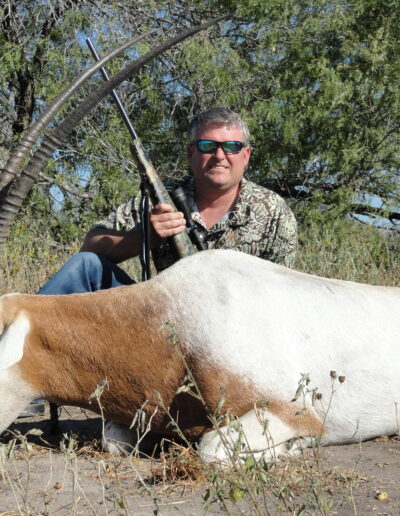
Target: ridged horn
(24, 147)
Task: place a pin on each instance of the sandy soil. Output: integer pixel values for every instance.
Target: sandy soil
(65, 473)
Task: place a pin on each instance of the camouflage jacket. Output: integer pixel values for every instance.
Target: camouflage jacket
(261, 223)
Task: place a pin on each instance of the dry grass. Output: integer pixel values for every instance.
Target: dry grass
(292, 486)
(347, 250)
(180, 465)
(338, 249)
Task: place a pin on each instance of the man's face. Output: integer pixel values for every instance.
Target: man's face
(218, 170)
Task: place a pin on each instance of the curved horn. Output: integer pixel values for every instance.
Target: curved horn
(27, 141)
(13, 201)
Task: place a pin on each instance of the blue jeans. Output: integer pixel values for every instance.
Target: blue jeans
(86, 272)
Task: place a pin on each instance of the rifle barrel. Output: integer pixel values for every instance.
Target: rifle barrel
(120, 106)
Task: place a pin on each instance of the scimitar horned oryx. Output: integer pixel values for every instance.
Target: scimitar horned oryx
(260, 342)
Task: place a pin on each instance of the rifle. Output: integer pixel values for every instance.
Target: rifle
(151, 179)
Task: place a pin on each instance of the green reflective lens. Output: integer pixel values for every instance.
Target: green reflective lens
(232, 147)
(207, 146)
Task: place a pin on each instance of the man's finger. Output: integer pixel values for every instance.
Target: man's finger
(162, 208)
(168, 229)
(164, 217)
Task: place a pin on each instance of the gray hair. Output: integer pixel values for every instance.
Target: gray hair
(218, 115)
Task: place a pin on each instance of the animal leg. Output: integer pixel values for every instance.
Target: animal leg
(15, 392)
(258, 433)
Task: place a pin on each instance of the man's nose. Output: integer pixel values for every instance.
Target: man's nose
(219, 153)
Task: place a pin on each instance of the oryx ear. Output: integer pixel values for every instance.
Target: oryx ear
(12, 342)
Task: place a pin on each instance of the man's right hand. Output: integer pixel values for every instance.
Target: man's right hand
(165, 221)
(118, 246)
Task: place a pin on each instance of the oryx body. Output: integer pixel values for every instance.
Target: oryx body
(244, 325)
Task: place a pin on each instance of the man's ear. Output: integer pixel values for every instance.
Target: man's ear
(247, 153)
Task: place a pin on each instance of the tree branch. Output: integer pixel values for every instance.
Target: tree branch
(65, 187)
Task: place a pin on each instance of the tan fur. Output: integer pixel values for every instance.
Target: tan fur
(70, 350)
(302, 420)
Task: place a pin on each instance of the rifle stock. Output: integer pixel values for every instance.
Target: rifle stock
(182, 242)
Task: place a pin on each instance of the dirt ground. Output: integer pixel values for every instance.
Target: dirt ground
(66, 473)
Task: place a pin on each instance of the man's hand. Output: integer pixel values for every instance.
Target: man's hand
(165, 221)
(118, 246)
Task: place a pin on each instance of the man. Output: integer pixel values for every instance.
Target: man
(232, 213)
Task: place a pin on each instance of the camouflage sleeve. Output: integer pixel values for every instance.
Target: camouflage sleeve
(285, 242)
(127, 215)
(124, 218)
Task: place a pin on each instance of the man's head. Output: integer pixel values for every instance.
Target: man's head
(218, 149)
(218, 116)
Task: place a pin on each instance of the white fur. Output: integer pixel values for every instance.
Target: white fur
(118, 438)
(270, 324)
(12, 342)
(15, 395)
(254, 433)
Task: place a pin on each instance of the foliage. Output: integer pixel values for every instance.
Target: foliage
(31, 257)
(318, 82)
(344, 249)
(326, 88)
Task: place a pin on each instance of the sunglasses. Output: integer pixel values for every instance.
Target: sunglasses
(210, 146)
